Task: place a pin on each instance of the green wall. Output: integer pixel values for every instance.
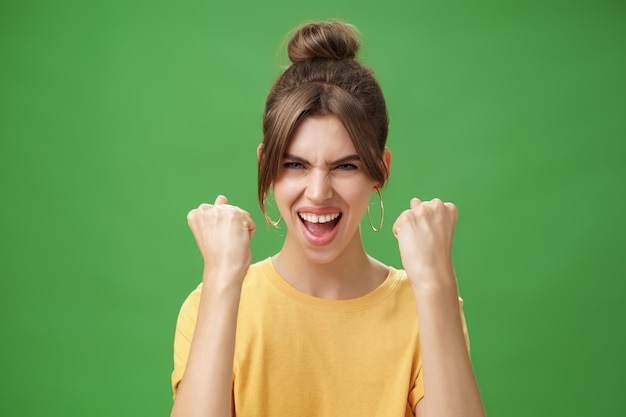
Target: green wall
(118, 117)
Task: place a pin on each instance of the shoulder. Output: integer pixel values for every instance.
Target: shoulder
(398, 273)
(399, 278)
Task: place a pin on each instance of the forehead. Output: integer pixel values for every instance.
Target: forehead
(321, 135)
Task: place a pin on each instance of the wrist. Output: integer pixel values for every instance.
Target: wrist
(223, 279)
(433, 282)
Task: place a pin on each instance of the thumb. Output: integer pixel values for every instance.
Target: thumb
(415, 202)
(220, 200)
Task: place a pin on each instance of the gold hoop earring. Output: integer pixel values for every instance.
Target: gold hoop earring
(267, 218)
(272, 222)
(382, 213)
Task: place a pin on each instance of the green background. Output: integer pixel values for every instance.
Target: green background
(118, 117)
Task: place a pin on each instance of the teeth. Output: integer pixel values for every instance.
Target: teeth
(314, 218)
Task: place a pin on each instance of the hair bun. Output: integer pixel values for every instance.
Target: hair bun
(331, 40)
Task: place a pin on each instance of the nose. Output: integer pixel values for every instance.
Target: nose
(318, 186)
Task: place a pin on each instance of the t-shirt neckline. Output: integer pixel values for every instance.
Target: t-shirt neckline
(355, 304)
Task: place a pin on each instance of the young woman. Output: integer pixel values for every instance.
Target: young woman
(322, 328)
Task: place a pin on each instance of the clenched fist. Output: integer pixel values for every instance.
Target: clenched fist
(223, 233)
(424, 234)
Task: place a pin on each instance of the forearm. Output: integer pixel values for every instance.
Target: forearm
(206, 387)
(450, 387)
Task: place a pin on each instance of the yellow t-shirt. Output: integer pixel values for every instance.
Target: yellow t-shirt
(298, 355)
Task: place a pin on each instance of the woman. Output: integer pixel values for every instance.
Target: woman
(321, 328)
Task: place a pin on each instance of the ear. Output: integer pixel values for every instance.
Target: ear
(387, 159)
(387, 168)
(259, 151)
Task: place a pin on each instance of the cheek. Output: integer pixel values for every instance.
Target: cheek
(357, 194)
(285, 189)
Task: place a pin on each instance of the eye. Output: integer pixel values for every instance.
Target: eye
(346, 167)
(293, 165)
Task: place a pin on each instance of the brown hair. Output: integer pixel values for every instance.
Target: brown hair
(324, 79)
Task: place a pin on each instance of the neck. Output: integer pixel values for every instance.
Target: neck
(350, 274)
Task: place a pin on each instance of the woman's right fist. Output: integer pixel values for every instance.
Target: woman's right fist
(222, 233)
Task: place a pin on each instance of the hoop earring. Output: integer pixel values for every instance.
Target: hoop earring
(272, 222)
(382, 213)
(267, 218)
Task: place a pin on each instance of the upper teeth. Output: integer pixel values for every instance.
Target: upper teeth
(314, 218)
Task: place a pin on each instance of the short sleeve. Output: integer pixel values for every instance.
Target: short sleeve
(417, 393)
(185, 326)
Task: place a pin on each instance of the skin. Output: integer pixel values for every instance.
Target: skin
(319, 174)
(424, 234)
(316, 176)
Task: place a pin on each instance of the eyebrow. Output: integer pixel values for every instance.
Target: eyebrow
(345, 159)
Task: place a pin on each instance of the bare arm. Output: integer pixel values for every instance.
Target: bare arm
(223, 234)
(450, 387)
(425, 233)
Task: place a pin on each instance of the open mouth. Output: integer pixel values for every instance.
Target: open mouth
(320, 225)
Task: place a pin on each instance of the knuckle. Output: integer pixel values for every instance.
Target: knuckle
(204, 207)
(419, 210)
(452, 207)
(409, 217)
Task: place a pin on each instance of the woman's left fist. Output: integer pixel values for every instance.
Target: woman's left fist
(424, 234)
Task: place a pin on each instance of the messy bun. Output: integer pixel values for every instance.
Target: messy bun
(324, 79)
(330, 40)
